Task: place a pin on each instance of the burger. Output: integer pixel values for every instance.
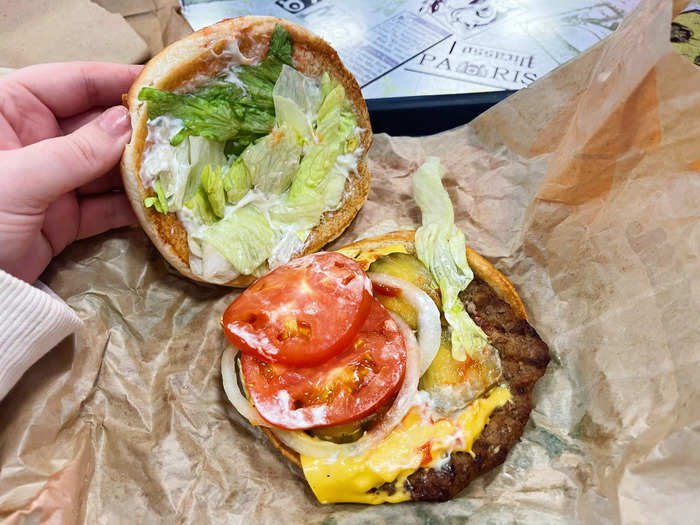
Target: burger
(397, 368)
(248, 147)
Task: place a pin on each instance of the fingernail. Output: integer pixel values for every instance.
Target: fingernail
(115, 121)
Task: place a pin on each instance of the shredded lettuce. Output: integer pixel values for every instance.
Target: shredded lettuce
(245, 238)
(159, 202)
(255, 122)
(279, 53)
(440, 245)
(236, 181)
(335, 121)
(179, 172)
(262, 146)
(222, 110)
(213, 186)
(214, 266)
(199, 205)
(297, 99)
(273, 160)
(326, 84)
(260, 79)
(213, 119)
(291, 242)
(303, 212)
(281, 45)
(319, 183)
(334, 100)
(313, 169)
(218, 89)
(334, 188)
(334, 126)
(203, 152)
(304, 209)
(238, 145)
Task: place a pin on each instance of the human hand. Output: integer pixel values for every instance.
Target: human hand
(59, 151)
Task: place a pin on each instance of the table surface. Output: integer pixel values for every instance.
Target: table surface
(399, 48)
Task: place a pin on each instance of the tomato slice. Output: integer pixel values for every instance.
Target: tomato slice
(301, 313)
(347, 387)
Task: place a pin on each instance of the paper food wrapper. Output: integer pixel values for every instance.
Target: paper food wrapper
(583, 189)
(158, 22)
(125, 31)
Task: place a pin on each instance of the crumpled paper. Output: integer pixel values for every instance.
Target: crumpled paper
(158, 22)
(36, 31)
(126, 31)
(583, 188)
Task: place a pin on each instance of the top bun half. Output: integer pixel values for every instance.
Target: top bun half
(199, 57)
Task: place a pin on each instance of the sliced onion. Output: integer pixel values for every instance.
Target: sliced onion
(233, 390)
(429, 328)
(304, 444)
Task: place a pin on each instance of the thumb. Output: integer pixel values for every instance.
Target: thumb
(55, 166)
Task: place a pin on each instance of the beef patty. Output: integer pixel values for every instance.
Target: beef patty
(524, 357)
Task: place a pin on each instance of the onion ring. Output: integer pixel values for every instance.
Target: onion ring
(233, 390)
(429, 329)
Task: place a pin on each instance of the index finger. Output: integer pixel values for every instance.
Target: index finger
(70, 88)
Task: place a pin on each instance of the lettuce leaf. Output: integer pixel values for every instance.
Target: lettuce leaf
(255, 122)
(219, 89)
(245, 238)
(273, 160)
(319, 183)
(440, 245)
(295, 217)
(281, 45)
(313, 169)
(261, 77)
(236, 181)
(203, 152)
(221, 110)
(303, 212)
(334, 126)
(214, 266)
(213, 119)
(199, 205)
(159, 202)
(326, 84)
(258, 86)
(238, 145)
(297, 99)
(335, 121)
(318, 186)
(334, 188)
(335, 99)
(213, 186)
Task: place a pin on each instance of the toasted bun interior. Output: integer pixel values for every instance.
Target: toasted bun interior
(199, 57)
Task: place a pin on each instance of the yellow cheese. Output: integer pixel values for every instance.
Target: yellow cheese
(418, 441)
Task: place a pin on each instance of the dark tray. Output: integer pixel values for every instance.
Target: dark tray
(415, 116)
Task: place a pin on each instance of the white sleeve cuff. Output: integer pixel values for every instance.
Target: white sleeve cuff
(32, 321)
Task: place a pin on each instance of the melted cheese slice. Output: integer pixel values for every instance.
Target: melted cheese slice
(419, 441)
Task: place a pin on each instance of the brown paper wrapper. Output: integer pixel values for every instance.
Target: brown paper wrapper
(37, 31)
(158, 22)
(583, 189)
(125, 31)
